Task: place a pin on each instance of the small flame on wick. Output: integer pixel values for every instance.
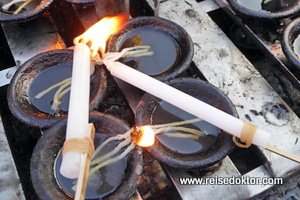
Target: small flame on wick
(97, 35)
(143, 136)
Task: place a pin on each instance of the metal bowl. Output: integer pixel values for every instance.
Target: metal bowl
(172, 29)
(264, 15)
(18, 91)
(48, 146)
(290, 33)
(209, 94)
(33, 9)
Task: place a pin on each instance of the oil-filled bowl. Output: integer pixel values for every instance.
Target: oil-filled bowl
(171, 44)
(49, 145)
(266, 9)
(289, 44)
(175, 152)
(30, 11)
(21, 99)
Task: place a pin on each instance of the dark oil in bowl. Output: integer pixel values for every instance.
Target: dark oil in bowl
(296, 46)
(267, 5)
(44, 80)
(167, 113)
(165, 47)
(100, 184)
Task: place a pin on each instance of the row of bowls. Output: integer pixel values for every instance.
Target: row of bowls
(291, 31)
(52, 140)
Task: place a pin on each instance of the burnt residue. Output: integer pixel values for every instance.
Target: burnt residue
(248, 117)
(276, 114)
(115, 103)
(18, 91)
(51, 142)
(210, 95)
(191, 13)
(255, 112)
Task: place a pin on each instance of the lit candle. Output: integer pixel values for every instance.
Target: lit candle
(78, 113)
(185, 102)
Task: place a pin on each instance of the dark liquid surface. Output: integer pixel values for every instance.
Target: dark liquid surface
(167, 113)
(267, 5)
(165, 48)
(296, 46)
(103, 182)
(44, 80)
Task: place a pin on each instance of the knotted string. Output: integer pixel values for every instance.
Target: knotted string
(247, 135)
(83, 145)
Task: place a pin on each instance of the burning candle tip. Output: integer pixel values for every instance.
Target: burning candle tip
(143, 136)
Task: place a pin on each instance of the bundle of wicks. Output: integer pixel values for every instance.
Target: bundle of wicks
(129, 143)
(104, 160)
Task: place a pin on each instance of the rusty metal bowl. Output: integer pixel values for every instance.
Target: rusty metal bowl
(207, 93)
(33, 10)
(18, 91)
(48, 146)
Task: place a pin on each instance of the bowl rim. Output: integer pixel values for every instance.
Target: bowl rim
(46, 120)
(163, 155)
(36, 171)
(182, 64)
(287, 43)
(264, 15)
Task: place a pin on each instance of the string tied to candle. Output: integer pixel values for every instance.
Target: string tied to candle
(247, 135)
(83, 145)
(135, 51)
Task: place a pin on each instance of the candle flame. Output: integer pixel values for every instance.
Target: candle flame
(145, 137)
(97, 35)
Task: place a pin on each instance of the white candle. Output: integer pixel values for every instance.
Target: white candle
(78, 114)
(185, 102)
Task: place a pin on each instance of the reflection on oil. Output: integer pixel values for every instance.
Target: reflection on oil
(101, 183)
(166, 113)
(44, 80)
(165, 48)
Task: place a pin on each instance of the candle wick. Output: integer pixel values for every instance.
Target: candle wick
(136, 51)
